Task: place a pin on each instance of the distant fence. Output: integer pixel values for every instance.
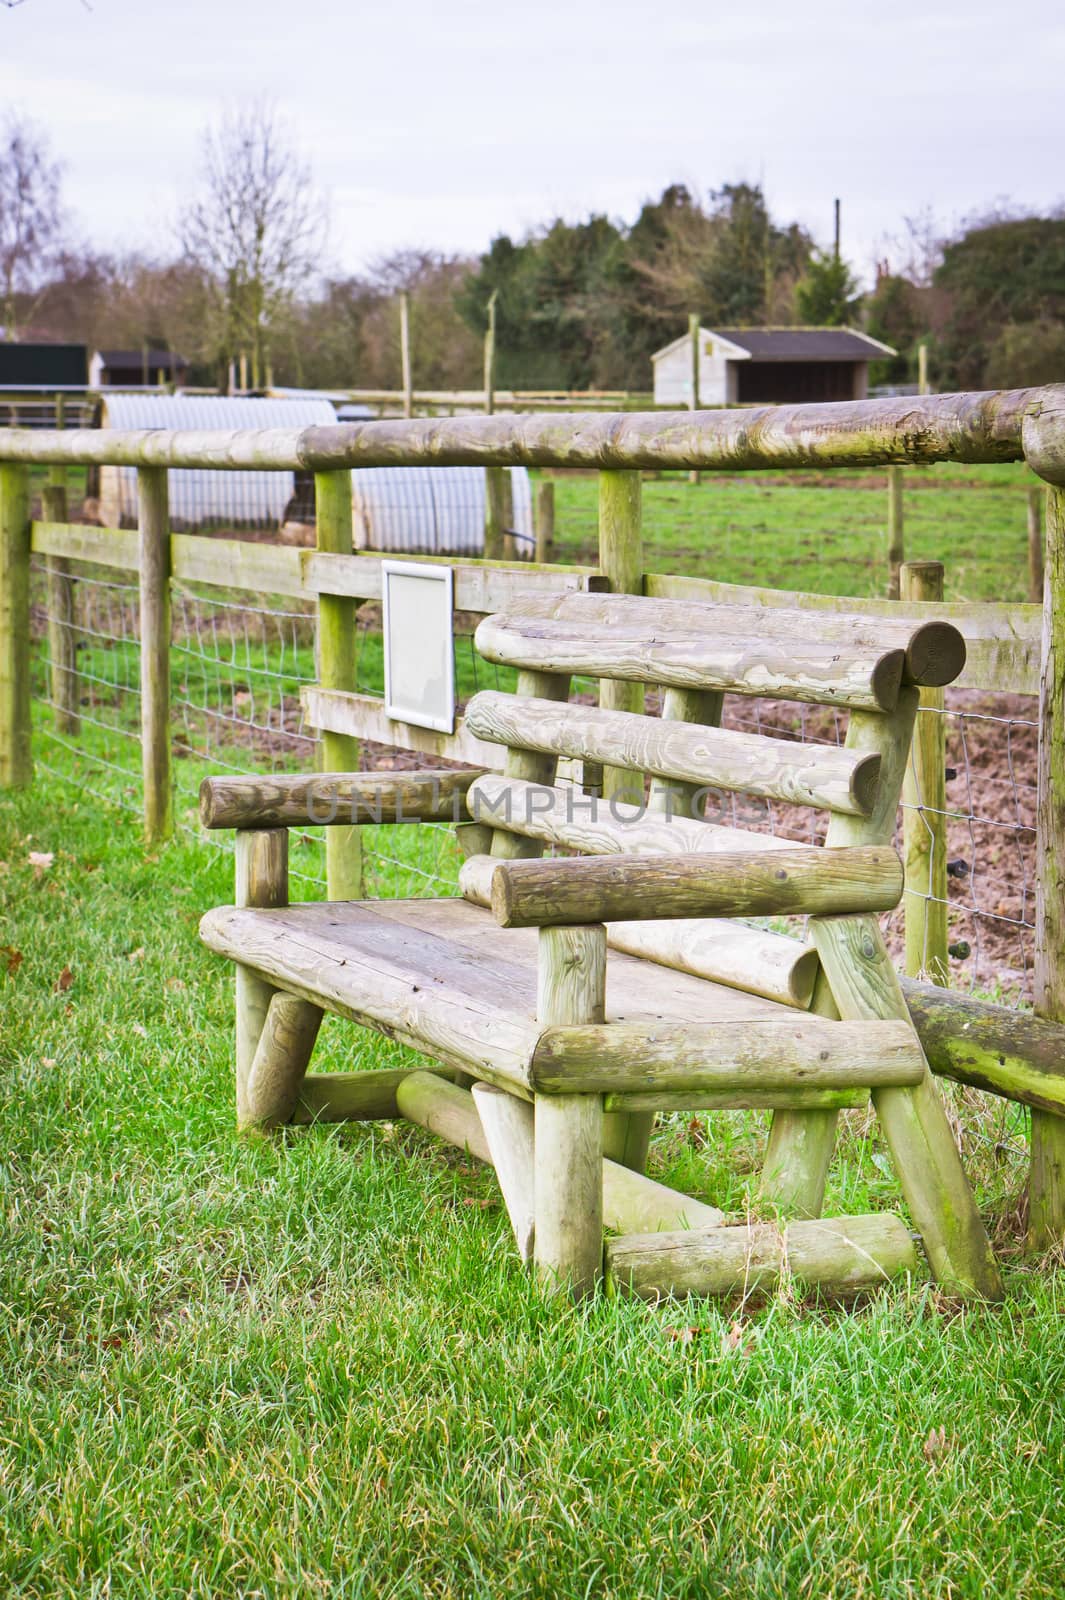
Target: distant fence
(224, 631)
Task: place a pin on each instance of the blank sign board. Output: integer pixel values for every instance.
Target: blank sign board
(419, 657)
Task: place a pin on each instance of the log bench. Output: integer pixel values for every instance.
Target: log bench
(562, 1000)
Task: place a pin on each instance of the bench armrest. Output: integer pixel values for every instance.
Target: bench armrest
(325, 798)
(755, 883)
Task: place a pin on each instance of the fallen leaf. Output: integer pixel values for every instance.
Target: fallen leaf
(733, 1343)
(40, 861)
(684, 1335)
(65, 981)
(48, 1061)
(937, 1444)
(139, 1028)
(138, 954)
(175, 983)
(12, 957)
(483, 1205)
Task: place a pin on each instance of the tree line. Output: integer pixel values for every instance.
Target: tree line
(578, 304)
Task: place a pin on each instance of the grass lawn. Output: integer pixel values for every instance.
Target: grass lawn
(310, 1364)
(825, 532)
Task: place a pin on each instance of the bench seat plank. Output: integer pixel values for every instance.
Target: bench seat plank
(442, 977)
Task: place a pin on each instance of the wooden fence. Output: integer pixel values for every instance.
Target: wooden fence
(1012, 648)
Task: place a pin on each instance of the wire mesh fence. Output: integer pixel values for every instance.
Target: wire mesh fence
(239, 662)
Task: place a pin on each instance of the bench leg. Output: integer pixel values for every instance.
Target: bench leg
(253, 996)
(261, 860)
(568, 1190)
(797, 1159)
(280, 1062)
(568, 1155)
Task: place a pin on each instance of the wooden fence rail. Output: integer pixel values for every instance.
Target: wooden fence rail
(1012, 648)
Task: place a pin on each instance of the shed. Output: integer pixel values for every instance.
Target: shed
(436, 511)
(136, 369)
(51, 366)
(205, 499)
(739, 366)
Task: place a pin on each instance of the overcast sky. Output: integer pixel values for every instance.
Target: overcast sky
(444, 123)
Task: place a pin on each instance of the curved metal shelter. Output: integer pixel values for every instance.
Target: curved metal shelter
(203, 498)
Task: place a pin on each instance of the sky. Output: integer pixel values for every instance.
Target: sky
(443, 124)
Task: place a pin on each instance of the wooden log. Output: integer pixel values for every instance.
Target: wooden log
(405, 354)
(571, 989)
(353, 1096)
(749, 1098)
(508, 1130)
(532, 894)
(529, 766)
(494, 512)
(838, 1255)
(1001, 641)
(261, 861)
(922, 1146)
(614, 640)
(336, 671)
(621, 560)
(800, 1144)
(778, 769)
(749, 959)
(62, 616)
(895, 538)
(983, 427)
(1035, 544)
(566, 817)
(995, 1048)
(632, 1203)
(545, 521)
(924, 816)
(281, 1058)
(796, 1052)
(1046, 1182)
(153, 519)
(16, 761)
(331, 799)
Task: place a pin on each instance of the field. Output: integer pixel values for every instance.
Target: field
(311, 1365)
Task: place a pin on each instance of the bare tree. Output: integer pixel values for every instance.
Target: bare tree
(31, 217)
(256, 230)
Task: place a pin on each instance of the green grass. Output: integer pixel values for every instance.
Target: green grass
(822, 532)
(310, 1365)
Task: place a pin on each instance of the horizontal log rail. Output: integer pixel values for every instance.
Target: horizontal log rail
(589, 889)
(322, 799)
(986, 427)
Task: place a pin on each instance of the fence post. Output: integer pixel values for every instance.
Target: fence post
(495, 511)
(1046, 1181)
(62, 620)
(153, 521)
(336, 670)
(490, 355)
(404, 353)
(545, 522)
(693, 337)
(1035, 544)
(621, 561)
(16, 762)
(895, 551)
(924, 798)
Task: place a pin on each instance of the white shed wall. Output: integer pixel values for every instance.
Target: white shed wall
(673, 376)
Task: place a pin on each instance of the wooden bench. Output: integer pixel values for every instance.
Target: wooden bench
(564, 1000)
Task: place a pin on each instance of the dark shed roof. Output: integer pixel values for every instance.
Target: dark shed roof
(805, 344)
(137, 358)
(58, 365)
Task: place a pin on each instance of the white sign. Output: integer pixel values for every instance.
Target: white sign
(419, 644)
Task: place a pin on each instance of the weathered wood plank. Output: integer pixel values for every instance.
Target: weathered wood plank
(480, 587)
(815, 775)
(839, 1255)
(362, 716)
(528, 894)
(103, 547)
(792, 1053)
(324, 799)
(239, 564)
